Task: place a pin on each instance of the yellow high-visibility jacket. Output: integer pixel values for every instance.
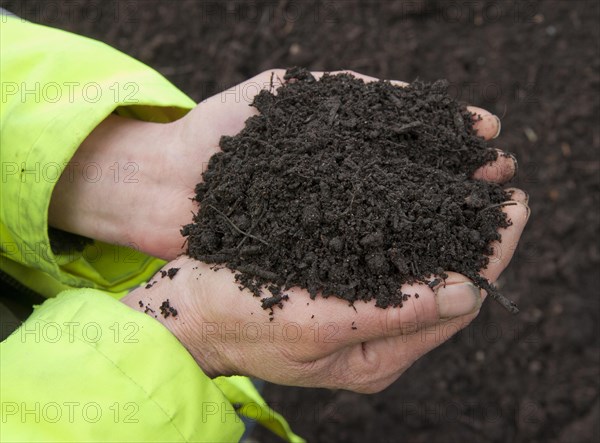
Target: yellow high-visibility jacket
(83, 366)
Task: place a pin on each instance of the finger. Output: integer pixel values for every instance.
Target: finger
(486, 124)
(423, 306)
(501, 170)
(226, 113)
(518, 195)
(504, 249)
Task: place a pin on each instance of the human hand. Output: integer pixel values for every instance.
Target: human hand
(165, 162)
(365, 359)
(324, 342)
(321, 342)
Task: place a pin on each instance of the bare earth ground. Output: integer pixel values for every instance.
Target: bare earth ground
(530, 378)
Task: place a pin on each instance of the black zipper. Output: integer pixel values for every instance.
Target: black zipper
(16, 295)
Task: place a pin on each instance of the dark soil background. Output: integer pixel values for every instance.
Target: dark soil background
(529, 378)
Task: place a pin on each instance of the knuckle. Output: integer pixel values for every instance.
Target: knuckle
(405, 320)
(393, 320)
(365, 372)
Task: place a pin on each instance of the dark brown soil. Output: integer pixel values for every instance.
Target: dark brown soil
(526, 378)
(349, 189)
(171, 272)
(167, 310)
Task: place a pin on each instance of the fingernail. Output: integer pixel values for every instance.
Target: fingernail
(458, 299)
(524, 199)
(514, 159)
(528, 210)
(499, 127)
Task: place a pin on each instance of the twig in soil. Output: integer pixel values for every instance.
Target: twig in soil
(493, 292)
(236, 228)
(509, 305)
(254, 225)
(412, 265)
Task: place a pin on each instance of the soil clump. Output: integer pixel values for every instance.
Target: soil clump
(349, 189)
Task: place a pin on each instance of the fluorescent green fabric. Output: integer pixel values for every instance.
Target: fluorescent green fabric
(122, 377)
(56, 87)
(253, 406)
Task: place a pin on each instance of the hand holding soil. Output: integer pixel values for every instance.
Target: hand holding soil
(316, 343)
(310, 342)
(167, 161)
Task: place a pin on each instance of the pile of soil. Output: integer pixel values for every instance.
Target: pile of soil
(349, 189)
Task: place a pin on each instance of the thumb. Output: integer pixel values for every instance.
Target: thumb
(423, 307)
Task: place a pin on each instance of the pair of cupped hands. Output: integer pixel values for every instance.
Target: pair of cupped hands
(317, 343)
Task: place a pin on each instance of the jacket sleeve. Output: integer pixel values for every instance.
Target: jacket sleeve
(85, 367)
(56, 88)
